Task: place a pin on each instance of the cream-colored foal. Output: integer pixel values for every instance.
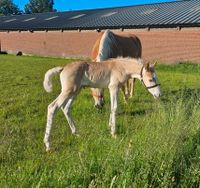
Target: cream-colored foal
(112, 74)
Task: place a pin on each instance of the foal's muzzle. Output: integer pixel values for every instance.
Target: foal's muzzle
(157, 96)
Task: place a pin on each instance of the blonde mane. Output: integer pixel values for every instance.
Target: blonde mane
(107, 41)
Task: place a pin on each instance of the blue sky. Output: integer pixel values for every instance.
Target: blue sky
(64, 5)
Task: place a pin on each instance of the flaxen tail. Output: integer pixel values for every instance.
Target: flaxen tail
(48, 78)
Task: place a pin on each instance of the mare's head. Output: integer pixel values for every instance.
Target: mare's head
(150, 80)
(98, 97)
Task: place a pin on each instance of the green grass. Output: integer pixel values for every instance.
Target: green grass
(158, 143)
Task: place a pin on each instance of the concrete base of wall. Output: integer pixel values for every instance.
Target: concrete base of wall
(165, 45)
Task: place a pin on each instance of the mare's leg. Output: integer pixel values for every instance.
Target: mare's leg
(67, 111)
(52, 108)
(125, 91)
(128, 89)
(131, 86)
(113, 101)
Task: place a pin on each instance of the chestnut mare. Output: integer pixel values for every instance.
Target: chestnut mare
(112, 74)
(111, 45)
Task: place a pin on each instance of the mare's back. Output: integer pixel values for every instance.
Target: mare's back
(130, 45)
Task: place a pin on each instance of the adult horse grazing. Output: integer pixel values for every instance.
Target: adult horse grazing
(112, 73)
(111, 45)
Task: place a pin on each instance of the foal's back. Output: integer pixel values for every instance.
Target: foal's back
(94, 74)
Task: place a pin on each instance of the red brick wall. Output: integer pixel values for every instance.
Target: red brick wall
(167, 45)
(54, 43)
(171, 45)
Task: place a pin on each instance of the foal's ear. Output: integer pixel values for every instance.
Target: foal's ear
(155, 63)
(152, 65)
(147, 66)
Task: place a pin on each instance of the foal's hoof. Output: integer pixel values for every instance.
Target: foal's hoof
(114, 136)
(77, 135)
(48, 150)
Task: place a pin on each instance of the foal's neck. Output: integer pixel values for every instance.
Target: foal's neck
(133, 67)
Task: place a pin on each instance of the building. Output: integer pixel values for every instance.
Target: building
(169, 32)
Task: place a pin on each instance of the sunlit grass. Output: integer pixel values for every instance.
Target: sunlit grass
(158, 143)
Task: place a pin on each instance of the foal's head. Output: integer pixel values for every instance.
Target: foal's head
(150, 80)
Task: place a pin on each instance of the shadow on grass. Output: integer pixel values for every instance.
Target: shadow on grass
(134, 113)
(185, 94)
(19, 84)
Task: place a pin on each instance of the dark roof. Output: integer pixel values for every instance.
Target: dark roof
(158, 15)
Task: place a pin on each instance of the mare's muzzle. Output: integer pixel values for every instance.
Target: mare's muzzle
(100, 103)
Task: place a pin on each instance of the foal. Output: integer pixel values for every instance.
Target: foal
(111, 73)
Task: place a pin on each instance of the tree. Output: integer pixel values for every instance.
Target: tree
(7, 7)
(38, 6)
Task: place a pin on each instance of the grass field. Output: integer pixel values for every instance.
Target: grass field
(158, 143)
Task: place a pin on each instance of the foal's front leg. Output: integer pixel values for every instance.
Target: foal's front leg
(113, 101)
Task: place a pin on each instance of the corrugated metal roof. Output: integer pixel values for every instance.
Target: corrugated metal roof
(158, 15)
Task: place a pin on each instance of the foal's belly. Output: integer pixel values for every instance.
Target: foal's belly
(95, 83)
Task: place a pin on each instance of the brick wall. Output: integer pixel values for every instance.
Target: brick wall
(167, 45)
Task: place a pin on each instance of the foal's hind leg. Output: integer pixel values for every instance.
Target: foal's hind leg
(67, 111)
(52, 108)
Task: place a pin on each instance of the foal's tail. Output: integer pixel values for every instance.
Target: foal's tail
(48, 78)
